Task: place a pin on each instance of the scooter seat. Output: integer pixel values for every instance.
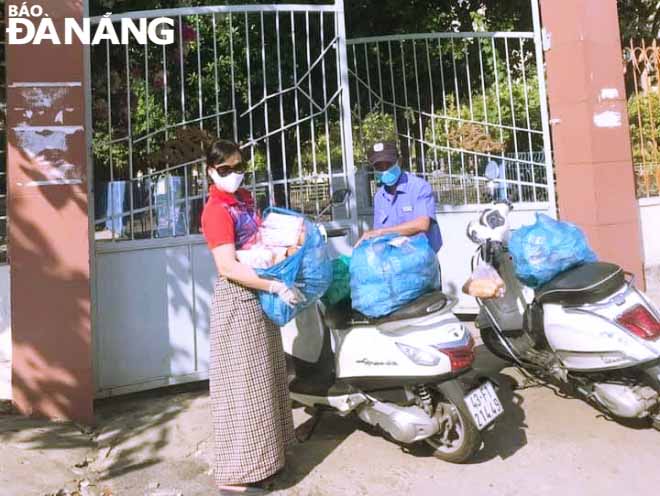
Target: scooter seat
(585, 284)
(342, 316)
(427, 304)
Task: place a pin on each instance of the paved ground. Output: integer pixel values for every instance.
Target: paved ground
(158, 444)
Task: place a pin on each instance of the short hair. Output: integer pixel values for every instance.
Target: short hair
(220, 150)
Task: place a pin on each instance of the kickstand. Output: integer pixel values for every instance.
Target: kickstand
(305, 431)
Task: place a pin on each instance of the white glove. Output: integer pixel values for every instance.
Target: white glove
(290, 296)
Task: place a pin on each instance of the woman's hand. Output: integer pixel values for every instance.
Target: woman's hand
(291, 296)
(229, 267)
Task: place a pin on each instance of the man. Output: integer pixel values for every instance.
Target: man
(404, 203)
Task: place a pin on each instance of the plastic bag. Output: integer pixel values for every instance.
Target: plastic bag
(485, 283)
(309, 269)
(340, 288)
(281, 230)
(260, 257)
(545, 249)
(390, 271)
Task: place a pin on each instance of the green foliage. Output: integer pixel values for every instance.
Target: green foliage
(639, 18)
(107, 154)
(644, 112)
(487, 112)
(375, 127)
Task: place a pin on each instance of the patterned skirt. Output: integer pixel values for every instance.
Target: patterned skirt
(252, 420)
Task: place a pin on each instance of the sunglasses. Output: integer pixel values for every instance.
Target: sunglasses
(225, 170)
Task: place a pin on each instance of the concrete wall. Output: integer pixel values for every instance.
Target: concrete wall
(650, 218)
(650, 214)
(5, 335)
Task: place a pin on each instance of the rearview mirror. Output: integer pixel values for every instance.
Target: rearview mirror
(340, 196)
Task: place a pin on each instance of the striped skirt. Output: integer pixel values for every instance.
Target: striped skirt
(252, 420)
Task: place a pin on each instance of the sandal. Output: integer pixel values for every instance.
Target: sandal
(247, 490)
(262, 487)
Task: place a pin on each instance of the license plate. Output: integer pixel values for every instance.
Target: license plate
(484, 405)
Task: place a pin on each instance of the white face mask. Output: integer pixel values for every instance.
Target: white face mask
(230, 183)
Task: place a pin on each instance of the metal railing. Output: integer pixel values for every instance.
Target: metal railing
(642, 86)
(457, 102)
(267, 76)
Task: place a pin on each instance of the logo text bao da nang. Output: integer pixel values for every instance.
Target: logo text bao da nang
(30, 25)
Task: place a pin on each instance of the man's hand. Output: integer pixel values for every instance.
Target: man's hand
(368, 235)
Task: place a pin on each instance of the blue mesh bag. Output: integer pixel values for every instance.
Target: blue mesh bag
(546, 248)
(390, 271)
(309, 269)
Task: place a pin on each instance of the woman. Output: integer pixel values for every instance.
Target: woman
(252, 419)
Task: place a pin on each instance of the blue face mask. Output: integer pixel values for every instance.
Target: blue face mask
(390, 176)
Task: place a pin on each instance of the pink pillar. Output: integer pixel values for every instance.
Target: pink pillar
(592, 154)
(49, 230)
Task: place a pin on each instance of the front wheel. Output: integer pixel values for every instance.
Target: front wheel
(458, 439)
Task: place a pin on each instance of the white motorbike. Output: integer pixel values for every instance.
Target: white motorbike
(404, 373)
(589, 328)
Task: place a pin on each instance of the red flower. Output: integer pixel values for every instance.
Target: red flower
(188, 33)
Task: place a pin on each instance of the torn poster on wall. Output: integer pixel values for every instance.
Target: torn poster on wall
(48, 130)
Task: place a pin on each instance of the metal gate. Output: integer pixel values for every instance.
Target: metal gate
(277, 78)
(271, 77)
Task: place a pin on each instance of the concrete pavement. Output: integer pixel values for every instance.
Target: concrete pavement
(159, 444)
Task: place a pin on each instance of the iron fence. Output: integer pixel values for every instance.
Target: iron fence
(267, 76)
(457, 103)
(642, 86)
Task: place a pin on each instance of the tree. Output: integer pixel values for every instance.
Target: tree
(639, 18)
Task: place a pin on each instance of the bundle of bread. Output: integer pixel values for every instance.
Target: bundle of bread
(279, 236)
(485, 283)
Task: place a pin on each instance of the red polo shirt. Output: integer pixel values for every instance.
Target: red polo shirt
(217, 223)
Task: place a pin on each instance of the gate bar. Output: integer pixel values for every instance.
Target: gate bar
(217, 9)
(543, 102)
(346, 119)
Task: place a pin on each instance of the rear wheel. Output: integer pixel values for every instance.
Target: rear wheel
(458, 438)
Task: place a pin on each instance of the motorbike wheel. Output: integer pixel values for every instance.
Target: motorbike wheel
(492, 343)
(458, 439)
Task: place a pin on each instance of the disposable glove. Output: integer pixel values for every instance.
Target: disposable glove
(290, 296)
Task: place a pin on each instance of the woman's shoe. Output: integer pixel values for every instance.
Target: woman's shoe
(259, 488)
(244, 490)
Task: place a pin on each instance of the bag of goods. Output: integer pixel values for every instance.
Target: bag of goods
(282, 230)
(279, 236)
(340, 288)
(390, 271)
(545, 249)
(262, 257)
(485, 283)
(308, 268)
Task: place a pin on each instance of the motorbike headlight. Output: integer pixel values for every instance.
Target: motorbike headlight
(419, 356)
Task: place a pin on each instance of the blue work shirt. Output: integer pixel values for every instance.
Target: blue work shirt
(412, 198)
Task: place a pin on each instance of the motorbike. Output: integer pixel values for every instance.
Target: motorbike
(405, 374)
(589, 329)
